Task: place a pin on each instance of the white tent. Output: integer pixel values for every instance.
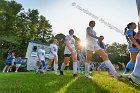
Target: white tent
(31, 53)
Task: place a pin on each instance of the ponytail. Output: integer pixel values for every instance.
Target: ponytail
(125, 30)
(128, 26)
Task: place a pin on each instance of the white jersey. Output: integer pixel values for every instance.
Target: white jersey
(91, 41)
(89, 38)
(72, 44)
(54, 48)
(41, 53)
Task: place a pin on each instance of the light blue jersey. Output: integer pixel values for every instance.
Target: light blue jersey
(131, 47)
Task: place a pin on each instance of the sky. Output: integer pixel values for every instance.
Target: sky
(64, 15)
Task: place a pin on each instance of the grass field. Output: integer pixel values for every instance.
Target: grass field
(29, 82)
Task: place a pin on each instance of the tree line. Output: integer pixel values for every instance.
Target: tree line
(18, 26)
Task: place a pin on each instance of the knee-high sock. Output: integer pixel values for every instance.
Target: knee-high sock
(63, 66)
(102, 65)
(55, 67)
(74, 67)
(110, 66)
(129, 66)
(136, 70)
(4, 68)
(87, 68)
(36, 69)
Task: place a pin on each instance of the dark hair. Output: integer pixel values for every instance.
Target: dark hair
(71, 30)
(128, 26)
(102, 36)
(91, 22)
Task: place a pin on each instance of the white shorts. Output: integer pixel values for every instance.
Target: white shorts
(93, 46)
(51, 56)
(67, 51)
(18, 65)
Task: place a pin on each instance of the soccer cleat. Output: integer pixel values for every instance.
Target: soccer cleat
(61, 72)
(134, 79)
(125, 75)
(75, 75)
(15, 71)
(88, 76)
(99, 70)
(117, 75)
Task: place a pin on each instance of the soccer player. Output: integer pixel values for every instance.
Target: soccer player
(133, 46)
(53, 55)
(70, 51)
(135, 75)
(6, 61)
(10, 58)
(41, 59)
(92, 46)
(18, 63)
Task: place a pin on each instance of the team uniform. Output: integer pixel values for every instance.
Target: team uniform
(41, 55)
(71, 40)
(54, 48)
(67, 53)
(93, 46)
(135, 75)
(53, 54)
(92, 42)
(131, 48)
(18, 63)
(10, 60)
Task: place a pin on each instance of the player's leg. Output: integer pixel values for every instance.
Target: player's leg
(87, 63)
(108, 63)
(66, 61)
(55, 65)
(74, 58)
(131, 64)
(135, 76)
(101, 66)
(5, 68)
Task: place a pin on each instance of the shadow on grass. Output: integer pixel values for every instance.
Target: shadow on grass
(32, 83)
(126, 81)
(85, 85)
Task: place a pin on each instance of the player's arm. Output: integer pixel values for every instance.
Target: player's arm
(134, 41)
(90, 34)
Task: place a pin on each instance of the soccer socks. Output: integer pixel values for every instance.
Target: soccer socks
(87, 68)
(74, 67)
(102, 65)
(36, 68)
(4, 68)
(63, 66)
(110, 66)
(136, 70)
(129, 66)
(55, 68)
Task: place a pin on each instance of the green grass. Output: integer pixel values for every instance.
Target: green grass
(29, 82)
